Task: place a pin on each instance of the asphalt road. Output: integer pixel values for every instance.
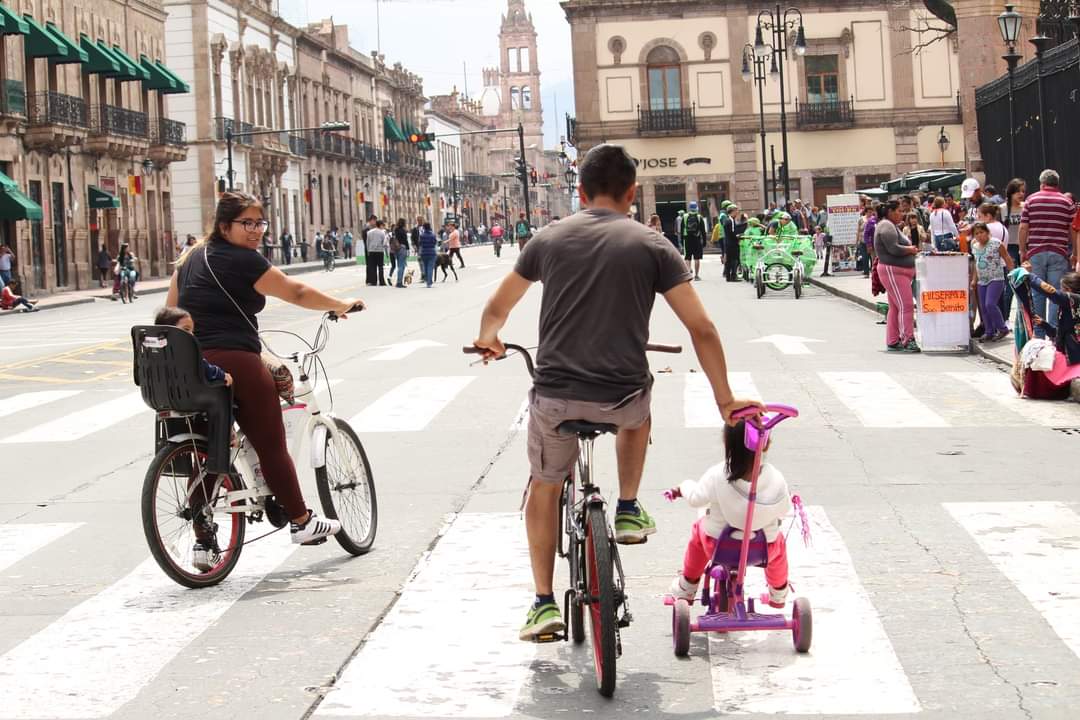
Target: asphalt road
(944, 567)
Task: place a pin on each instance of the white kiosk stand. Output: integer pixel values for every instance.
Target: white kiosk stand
(941, 308)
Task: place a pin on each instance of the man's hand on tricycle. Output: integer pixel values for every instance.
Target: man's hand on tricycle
(729, 408)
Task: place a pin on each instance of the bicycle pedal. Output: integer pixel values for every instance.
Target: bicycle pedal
(549, 638)
(318, 541)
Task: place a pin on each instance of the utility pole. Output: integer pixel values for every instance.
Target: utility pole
(453, 189)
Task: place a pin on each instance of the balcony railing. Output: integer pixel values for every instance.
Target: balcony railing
(675, 120)
(48, 108)
(112, 120)
(169, 132)
(222, 124)
(832, 112)
(298, 145)
(13, 98)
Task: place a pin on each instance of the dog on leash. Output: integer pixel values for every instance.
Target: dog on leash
(442, 262)
(409, 277)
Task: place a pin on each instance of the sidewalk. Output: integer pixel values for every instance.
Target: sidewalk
(855, 288)
(145, 287)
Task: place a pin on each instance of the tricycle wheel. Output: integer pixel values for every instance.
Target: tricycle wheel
(721, 595)
(759, 283)
(680, 627)
(777, 276)
(802, 625)
(797, 281)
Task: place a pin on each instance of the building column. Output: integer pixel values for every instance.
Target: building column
(907, 148)
(747, 188)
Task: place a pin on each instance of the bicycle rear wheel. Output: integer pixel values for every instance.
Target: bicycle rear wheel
(601, 586)
(347, 490)
(173, 524)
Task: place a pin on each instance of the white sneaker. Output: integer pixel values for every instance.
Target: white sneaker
(682, 588)
(204, 558)
(314, 531)
(778, 596)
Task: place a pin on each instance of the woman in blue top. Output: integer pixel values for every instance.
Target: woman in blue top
(428, 251)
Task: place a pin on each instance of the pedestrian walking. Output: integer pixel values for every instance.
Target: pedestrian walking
(399, 246)
(347, 244)
(453, 242)
(286, 246)
(7, 262)
(896, 269)
(9, 299)
(427, 252)
(497, 239)
(104, 262)
(376, 245)
(522, 231)
(868, 239)
(1011, 211)
(1046, 239)
(268, 248)
(734, 225)
(693, 237)
(943, 230)
(991, 261)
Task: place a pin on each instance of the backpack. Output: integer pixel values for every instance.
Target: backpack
(692, 225)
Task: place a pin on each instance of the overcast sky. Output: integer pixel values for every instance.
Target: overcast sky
(433, 38)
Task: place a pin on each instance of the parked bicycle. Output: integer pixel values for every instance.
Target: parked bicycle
(597, 581)
(183, 502)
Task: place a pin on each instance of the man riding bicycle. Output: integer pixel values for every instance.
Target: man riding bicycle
(601, 273)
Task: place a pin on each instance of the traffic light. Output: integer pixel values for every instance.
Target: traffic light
(416, 138)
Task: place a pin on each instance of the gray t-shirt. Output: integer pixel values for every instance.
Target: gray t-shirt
(601, 272)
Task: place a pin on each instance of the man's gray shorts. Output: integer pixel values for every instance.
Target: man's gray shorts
(552, 455)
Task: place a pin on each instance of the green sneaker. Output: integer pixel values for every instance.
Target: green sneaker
(632, 528)
(542, 620)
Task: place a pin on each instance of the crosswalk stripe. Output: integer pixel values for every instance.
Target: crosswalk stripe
(79, 424)
(699, 403)
(19, 540)
(1034, 545)
(99, 655)
(449, 647)
(998, 387)
(851, 667)
(411, 405)
(879, 401)
(26, 401)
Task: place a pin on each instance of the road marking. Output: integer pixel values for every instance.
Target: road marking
(79, 424)
(789, 344)
(998, 387)
(521, 419)
(1036, 545)
(397, 351)
(26, 401)
(19, 540)
(699, 404)
(851, 667)
(411, 405)
(879, 401)
(104, 651)
(464, 615)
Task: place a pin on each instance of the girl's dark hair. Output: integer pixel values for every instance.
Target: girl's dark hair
(980, 226)
(1011, 189)
(427, 226)
(1070, 281)
(170, 315)
(401, 223)
(886, 207)
(740, 459)
(230, 206)
(989, 209)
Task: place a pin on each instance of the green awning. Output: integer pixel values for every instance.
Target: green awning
(42, 43)
(99, 61)
(12, 23)
(181, 86)
(392, 131)
(912, 180)
(135, 72)
(98, 199)
(14, 205)
(946, 181)
(158, 80)
(123, 72)
(75, 54)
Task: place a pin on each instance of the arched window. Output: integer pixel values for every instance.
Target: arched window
(665, 78)
(515, 100)
(526, 98)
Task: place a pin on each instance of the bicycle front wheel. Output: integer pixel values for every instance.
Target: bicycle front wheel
(601, 584)
(183, 507)
(347, 490)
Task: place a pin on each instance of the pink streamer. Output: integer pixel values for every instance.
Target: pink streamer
(804, 521)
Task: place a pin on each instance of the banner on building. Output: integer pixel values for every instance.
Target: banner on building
(385, 199)
(844, 213)
(427, 201)
(134, 185)
(359, 197)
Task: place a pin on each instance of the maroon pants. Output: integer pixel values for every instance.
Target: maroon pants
(259, 415)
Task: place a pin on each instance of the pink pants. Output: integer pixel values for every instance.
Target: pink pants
(900, 325)
(699, 552)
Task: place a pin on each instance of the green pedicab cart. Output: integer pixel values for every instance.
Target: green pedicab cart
(779, 262)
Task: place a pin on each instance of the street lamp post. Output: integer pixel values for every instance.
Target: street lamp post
(1041, 43)
(758, 75)
(1009, 23)
(779, 24)
(571, 182)
(229, 135)
(943, 144)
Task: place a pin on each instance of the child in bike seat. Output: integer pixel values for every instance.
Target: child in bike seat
(178, 317)
(725, 490)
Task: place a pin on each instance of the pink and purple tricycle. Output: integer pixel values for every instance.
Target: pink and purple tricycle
(729, 610)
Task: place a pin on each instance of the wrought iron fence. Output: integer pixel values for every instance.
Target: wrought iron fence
(670, 120)
(171, 132)
(112, 120)
(832, 112)
(52, 107)
(13, 98)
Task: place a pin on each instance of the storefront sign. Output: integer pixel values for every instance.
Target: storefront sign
(697, 161)
(108, 184)
(843, 218)
(944, 301)
(654, 163)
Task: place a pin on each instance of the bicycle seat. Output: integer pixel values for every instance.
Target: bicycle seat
(585, 429)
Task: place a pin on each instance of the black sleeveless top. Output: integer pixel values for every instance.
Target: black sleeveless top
(219, 325)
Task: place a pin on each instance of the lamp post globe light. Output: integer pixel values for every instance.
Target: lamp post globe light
(1010, 23)
(779, 23)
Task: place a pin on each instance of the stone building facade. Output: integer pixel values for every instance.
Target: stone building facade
(86, 139)
(403, 175)
(666, 80)
(461, 164)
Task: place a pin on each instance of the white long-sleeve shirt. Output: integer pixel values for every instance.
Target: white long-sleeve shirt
(727, 501)
(941, 223)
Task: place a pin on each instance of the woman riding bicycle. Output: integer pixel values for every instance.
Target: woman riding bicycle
(223, 282)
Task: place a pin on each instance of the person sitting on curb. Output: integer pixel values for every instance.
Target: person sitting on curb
(8, 298)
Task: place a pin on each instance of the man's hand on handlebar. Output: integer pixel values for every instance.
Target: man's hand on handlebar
(728, 409)
(493, 349)
(350, 305)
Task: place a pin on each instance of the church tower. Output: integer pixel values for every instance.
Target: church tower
(519, 76)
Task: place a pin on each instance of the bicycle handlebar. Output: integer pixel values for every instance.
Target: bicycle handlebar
(473, 350)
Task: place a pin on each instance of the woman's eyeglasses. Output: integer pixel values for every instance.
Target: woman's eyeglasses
(252, 225)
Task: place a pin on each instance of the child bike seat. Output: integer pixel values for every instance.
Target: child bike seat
(727, 550)
(584, 429)
(168, 371)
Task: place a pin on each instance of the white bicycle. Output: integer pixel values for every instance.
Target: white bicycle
(183, 504)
